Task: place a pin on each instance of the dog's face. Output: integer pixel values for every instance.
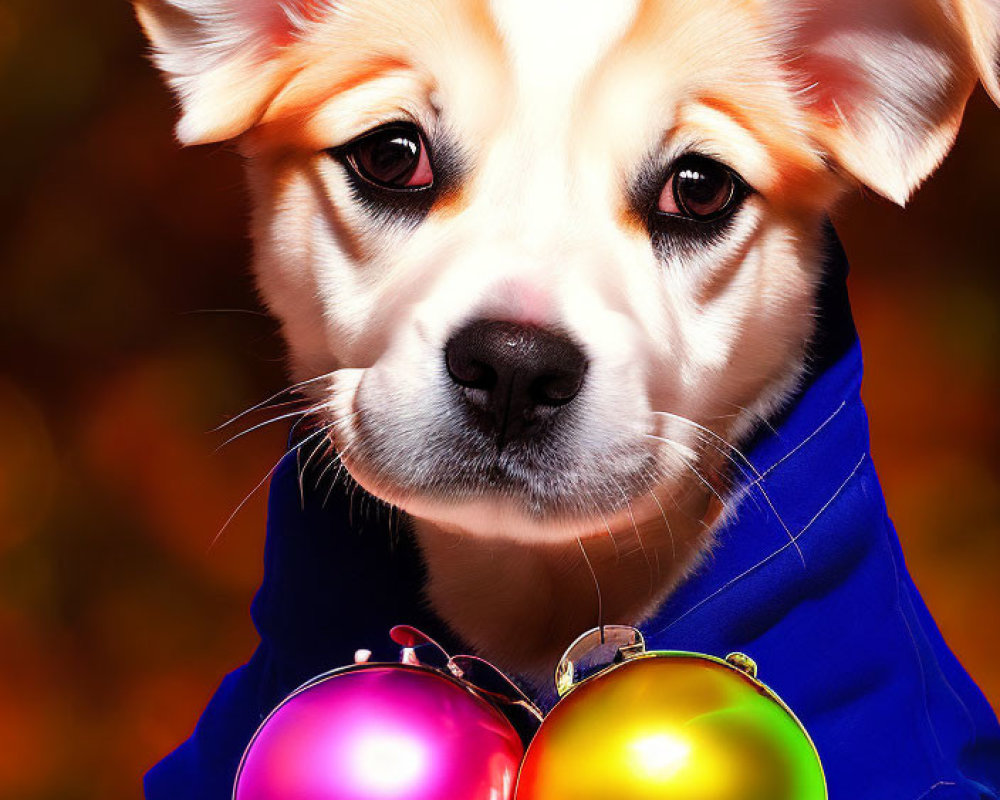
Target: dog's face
(556, 258)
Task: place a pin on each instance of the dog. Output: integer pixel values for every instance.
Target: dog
(543, 270)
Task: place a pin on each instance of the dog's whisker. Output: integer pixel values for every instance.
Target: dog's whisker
(326, 429)
(327, 446)
(333, 459)
(754, 485)
(379, 502)
(692, 452)
(653, 480)
(597, 586)
(680, 454)
(353, 486)
(744, 464)
(341, 470)
(322, 431)
(266, 403)
(666, 522)
(684, 512)
(246, 311)
(758, 484)
(755, 415)
(302, 412)
(709, 432)
(255, 489)
(607, 527)
(638, 536)
(295, 401)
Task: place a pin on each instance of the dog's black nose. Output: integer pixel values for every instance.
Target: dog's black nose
(514, 376)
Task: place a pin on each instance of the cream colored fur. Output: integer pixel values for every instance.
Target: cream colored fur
(554, 107)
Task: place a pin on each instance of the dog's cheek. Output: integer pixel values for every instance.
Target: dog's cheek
(736, 352)
(284, 267)
(769, 332)
(313, 264)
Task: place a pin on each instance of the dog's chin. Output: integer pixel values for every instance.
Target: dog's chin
(512, 516)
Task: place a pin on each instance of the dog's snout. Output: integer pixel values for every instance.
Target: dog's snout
(514, 375)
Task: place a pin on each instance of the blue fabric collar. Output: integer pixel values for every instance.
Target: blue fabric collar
(807, 578)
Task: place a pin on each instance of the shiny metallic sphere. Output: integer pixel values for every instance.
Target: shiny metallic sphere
(382, 732)
(672, 726)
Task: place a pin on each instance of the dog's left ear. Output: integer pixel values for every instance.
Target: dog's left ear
(886, 81)
(221, 57)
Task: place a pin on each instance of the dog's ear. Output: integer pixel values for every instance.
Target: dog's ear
(887, 81)
(221, 57)
(981, 22)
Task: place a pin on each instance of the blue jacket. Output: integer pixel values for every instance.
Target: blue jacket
(809, 580)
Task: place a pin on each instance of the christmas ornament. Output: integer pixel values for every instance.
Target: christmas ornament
(386, 731)
(666, 725)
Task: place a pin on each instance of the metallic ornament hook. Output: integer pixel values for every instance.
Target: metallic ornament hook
(594, 650)
(465, 667)
(408, 637)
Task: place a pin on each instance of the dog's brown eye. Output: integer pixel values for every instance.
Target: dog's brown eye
(700, 189)
(393, 157)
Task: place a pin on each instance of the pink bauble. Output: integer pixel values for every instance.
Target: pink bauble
(382, 732)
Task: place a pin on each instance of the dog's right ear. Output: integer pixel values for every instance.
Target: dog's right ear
(223, 58)
(981, 20)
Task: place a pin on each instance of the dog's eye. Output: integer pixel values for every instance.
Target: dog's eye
(701, 189)
(392, 157)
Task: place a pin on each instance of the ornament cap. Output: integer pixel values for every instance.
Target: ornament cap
(743, 663)
(596, 650)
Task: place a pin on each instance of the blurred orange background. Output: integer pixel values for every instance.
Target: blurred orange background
(130, 329)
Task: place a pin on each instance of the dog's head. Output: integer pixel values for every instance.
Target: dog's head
(556, 258)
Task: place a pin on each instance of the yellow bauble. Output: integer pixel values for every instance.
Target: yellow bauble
(672, 726)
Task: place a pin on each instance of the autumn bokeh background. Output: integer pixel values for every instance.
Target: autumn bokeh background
(129, 330)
